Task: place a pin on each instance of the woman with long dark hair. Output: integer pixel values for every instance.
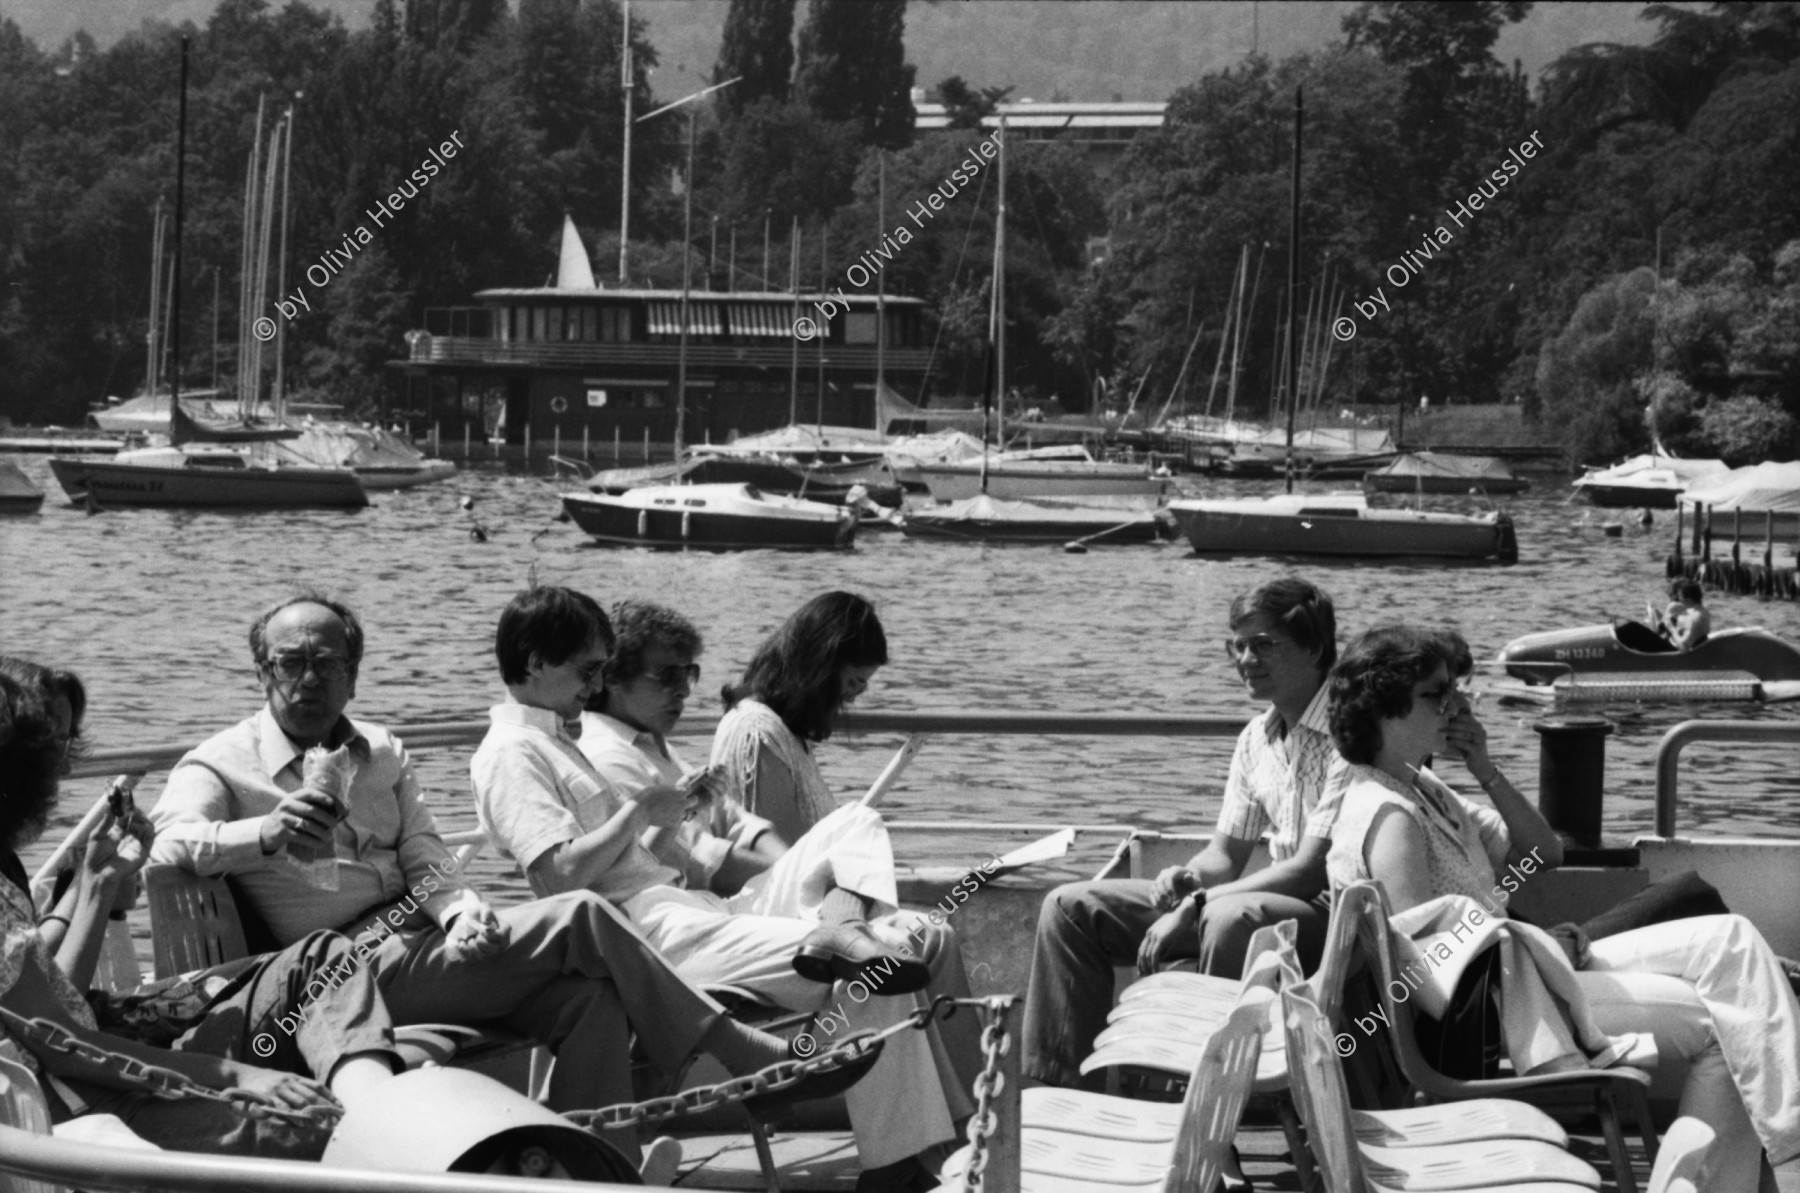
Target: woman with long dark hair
(819, 661)
(1726, 1023)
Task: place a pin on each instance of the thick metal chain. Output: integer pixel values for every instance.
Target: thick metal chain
(154, 1079)
(769, 1079)
(995, 1042)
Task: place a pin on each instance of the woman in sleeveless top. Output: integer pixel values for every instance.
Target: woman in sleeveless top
(1726, 1023)
(819, 661)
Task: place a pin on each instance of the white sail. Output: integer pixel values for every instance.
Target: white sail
(573, 271)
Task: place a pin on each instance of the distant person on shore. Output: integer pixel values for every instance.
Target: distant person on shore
(1282, 643)
(808, 925)
(1686, 621)
(570, 972)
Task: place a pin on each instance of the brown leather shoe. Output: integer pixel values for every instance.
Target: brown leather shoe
(850, 952)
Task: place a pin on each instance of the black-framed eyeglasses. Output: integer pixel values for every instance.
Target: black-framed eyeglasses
(674, 675)
(292, 667)
(1259, 645)
(590, 672)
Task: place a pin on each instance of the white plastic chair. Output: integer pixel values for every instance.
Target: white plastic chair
(22, 1105)
(1470, 1166)
(1682, 1157)
(1055, 1161)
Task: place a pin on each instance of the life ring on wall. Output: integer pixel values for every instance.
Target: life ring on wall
(559, 404)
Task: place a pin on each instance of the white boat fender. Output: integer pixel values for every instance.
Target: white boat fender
(687, 517)
(453, 1120)
(643, 523)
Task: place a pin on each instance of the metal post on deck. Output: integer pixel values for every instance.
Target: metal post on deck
(528, 443)
(646, 445)
(617, 456)
(584, 442)
(556, 440)
(468, 453)
(437, 443)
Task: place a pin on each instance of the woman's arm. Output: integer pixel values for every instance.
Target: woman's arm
(1396, 856)
(1526, 827)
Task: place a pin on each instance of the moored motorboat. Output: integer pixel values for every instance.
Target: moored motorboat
(712, 518)
(1630, 661)
(1438, 472)
(213, 478)
(379, 458)
(989, 519)
(1340, 524)
(17, 494)
(1023, 479)
(1649, 481)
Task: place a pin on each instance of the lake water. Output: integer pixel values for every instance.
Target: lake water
(151, 607)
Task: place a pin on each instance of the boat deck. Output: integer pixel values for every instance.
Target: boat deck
(826, 1160)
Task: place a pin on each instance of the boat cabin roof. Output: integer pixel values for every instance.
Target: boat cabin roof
(783, 298)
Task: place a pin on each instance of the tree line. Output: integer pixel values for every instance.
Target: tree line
(1641, 275)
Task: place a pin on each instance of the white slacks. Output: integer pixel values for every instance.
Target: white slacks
(1727, 1031)
(908, 1101)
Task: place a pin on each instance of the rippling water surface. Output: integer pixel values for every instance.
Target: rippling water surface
(151, 608)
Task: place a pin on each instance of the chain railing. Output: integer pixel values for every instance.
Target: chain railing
(154, 1079)
(993, 1129)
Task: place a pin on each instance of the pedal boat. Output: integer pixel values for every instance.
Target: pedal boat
(1629, 660)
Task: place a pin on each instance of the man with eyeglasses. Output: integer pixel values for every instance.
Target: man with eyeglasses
(571, 972)
(646, 682)
(1285, 779)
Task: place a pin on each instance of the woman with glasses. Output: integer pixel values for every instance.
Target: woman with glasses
(806, 673)
(1726, 1024)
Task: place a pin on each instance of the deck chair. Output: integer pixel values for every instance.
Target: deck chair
(1189, 1161)
(1682, 1156)
(1608, 1088)
(1414, 1126)
(1164, 1028)
(22, 1105)
(1350, 1166)
(197, 923)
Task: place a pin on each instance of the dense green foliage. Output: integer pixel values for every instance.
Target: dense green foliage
(1677, 160)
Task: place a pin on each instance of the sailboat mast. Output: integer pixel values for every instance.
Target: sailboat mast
(287, 161)
(1293, 284)
(265, 236)
(880, 292)
(1238, 340)
(625, 84)
(154, 340)
(1231, 301)
(794, 285)
(175, 269)
(824, 331)
(687, 247)
(1000, 301)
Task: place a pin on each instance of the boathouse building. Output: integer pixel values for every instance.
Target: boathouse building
(570, 365)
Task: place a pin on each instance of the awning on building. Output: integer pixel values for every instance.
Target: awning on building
(761, 319)
(703, 319)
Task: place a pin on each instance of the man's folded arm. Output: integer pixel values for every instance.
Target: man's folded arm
(199, 825)
(426, 864)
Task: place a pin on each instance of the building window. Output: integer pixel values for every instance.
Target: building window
(556, 324)
(539, 315)
(587, 324)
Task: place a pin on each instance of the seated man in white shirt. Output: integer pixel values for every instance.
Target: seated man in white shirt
(802, 921)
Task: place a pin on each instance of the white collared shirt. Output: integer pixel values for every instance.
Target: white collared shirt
(1288, 784)
(534, 789)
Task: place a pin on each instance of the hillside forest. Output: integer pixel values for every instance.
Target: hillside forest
(1636, 275)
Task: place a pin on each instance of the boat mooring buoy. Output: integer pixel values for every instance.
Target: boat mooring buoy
(1612, 530)
(467, 503)
(478, 533)
(1646, 518)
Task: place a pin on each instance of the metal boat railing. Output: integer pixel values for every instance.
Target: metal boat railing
(142, 760)
(1668, 755)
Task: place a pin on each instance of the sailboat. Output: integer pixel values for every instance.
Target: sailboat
(202, 466)
(1001, 497)
(708, 517)
(1341, 524)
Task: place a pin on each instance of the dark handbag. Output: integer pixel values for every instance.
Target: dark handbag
(1466, 1044)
